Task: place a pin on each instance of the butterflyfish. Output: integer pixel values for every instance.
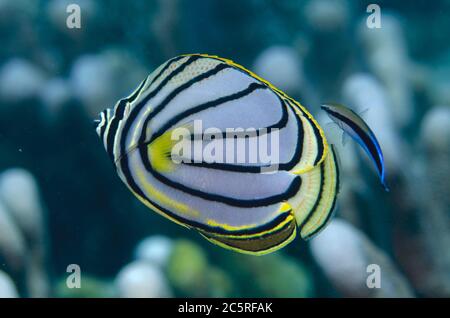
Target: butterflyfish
(353, 125)
(229, 199)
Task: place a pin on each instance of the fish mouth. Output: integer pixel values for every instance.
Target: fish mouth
(329, 106)
(95, 123)
(101, 122)
(326, 107)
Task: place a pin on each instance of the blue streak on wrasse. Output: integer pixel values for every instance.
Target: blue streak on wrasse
(352, 124)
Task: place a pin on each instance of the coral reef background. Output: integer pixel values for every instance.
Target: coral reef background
(62, 203)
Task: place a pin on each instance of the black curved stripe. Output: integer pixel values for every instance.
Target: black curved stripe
(201, 226)
(165, 67)
(298, 149)
(283, 121)
(118, 116)
(174, 93)
(260, 131)
(293, 188)
(372, 146)
(259, 243)
(320, 146)
(199, 108)
(290, 192)
(316, 203)
(330, 213)
(289, 99)
(120, 108)
(136, 189)
(123, 162)
(267, 227)
(103, 128)
(136, 110)
(125, 169)
(227, 167)
(296, 157)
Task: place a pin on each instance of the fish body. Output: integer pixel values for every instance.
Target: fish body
(233, 204)
(353, 125)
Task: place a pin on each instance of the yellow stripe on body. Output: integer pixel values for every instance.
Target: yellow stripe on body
(165, 200)
(215, 240)
(303, 202)
(159, 152)
(284, 208)
(160, 197)
(329, 192)
(257, 239)
(155, 209)
(255, 253)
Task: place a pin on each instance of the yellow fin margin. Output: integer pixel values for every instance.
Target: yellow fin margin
(325, 208)
(260, 243)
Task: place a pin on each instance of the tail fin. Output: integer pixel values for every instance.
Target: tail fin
(314, 204)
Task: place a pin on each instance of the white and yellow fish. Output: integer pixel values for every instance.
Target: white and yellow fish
(233, 205)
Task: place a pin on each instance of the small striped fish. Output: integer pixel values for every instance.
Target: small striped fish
(352, 124)
(234, 205)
